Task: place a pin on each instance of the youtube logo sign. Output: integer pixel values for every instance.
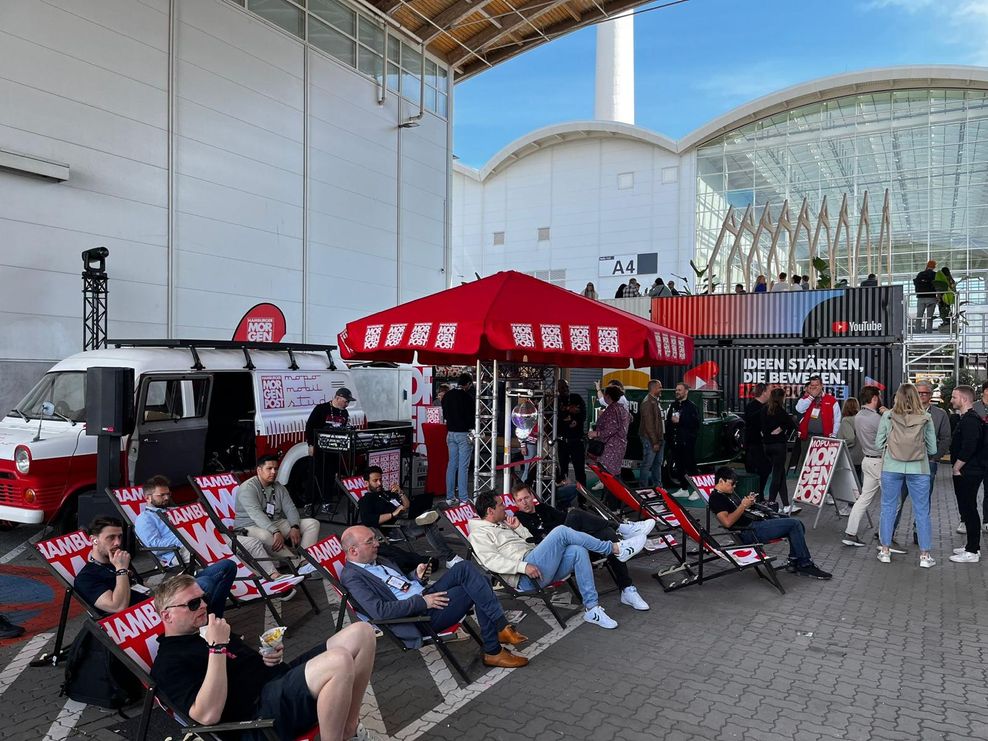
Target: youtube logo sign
(840, 327)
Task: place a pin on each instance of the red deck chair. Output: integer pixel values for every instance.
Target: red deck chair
(129, 502)
(691, 566)
(64, 556)
(645, 503)
(328, 559)
(132, 637)
(355, 487)
(196, 531)
(459, 517)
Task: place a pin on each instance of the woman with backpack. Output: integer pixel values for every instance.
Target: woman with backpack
(907, 434)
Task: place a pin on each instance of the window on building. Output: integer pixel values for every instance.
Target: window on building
(281, 13)
(498, 238)
(670, 175)
(543, 234)
(626, 180)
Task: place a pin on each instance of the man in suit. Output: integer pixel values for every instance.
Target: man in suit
(380, 589)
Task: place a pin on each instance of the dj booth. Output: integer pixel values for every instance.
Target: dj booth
(349, 451)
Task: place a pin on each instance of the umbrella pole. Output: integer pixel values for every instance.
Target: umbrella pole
(506, 450)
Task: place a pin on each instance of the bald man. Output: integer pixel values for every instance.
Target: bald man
(384, 592)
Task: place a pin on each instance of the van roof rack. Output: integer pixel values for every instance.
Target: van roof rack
(193, 346)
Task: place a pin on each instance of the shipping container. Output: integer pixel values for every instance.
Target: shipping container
(829, 316)
(734, 370)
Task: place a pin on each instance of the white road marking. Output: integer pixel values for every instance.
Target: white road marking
(20, 662)
(18, 550)
(64, 724)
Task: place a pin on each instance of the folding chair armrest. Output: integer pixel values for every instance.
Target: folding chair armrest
(247, 725)
(403, 621)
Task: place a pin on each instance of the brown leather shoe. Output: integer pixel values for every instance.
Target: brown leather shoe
(505, 660)
(509, 635)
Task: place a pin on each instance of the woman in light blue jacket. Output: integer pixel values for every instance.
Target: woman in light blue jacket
(907, 434)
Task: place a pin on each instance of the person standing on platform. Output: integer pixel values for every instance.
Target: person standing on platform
(967, 456)
(865, 430)
(651, 434)
(755, 460)
(683, 428)
(907, 435)
(941, 423)
(781, 284)
(572, 418)
(332, 414)
(926, 297)
(459, 409)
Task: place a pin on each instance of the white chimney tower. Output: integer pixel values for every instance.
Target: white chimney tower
(614, 94)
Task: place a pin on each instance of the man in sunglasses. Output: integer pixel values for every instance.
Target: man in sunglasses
(109, 583)
(218, 678)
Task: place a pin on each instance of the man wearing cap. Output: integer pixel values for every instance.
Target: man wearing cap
(926, 296)
(332, 414)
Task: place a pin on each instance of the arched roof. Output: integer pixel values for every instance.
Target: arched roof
(824, 88)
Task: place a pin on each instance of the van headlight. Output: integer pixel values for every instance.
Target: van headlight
(22, 459)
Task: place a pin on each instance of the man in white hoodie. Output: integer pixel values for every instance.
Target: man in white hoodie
(501, 545)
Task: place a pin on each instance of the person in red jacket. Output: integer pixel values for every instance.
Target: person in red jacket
(819, 415)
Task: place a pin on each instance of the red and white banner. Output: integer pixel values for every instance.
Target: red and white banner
(136, 630)
(329, 553)
(356, 486)
(460, 515)
(131, 501)
(703, 483)
(197, 532)
(421, 404)
(67, 554)
(818, 468)
(390, 463)
(220, 493)
(261, 323)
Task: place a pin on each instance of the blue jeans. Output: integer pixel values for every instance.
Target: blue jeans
(650, 471)
(762, 531)
(564, 552)
(905, 493)
(216, 581)
(919, 492)
(465, 585)
(460, 450)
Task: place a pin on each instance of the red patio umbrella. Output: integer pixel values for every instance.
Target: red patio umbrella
(513, 317)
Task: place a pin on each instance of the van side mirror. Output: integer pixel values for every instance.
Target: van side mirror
(47, 408)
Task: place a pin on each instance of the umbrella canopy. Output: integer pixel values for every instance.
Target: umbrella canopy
(512, 317)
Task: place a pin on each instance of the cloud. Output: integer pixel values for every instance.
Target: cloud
(964, 24)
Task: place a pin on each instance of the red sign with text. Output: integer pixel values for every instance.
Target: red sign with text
(262, 323)
(818, 468)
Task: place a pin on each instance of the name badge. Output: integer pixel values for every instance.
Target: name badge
(395, 502)
(815, 413)
(400, 584)
(140, 589)
(269, 509)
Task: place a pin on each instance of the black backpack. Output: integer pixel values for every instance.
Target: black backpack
(93, 676)
(923, 283)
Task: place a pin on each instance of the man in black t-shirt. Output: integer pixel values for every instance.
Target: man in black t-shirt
(540, 519)
(754, 526)
(332, 414)
(572, 419)
(107, 581)
(459, 410)
(683, 427)
(380, 508)
(219, 678)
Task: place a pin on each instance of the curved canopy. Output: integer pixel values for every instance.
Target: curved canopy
(513, 317)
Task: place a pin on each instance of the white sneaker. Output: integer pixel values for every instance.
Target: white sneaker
(986, 527)
(791, 509)
(884, 556)
(966, 557)
(598, 617)
(427, 518)
(962, 529)
(630, 547)
(630, 596)
(363, 734)
(962, 549)
(453, 561)
(631, 529)
(927, 562)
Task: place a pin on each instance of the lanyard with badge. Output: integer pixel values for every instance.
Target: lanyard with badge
(269, 504)
(815, 407)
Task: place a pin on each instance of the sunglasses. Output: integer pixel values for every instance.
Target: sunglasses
(192, 605)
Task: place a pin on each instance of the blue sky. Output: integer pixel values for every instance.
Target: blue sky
(697, 60)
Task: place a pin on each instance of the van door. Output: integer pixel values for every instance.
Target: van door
(170, 434)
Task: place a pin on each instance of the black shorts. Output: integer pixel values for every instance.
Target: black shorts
(288, 701)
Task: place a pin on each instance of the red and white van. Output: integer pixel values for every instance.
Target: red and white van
(200, 406)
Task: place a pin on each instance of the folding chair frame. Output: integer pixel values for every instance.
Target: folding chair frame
(422, 622)
(159, 568)
(540, 592)
(710, 551)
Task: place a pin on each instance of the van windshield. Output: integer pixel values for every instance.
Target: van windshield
(66, 390)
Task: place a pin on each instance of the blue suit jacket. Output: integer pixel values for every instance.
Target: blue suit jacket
(379, 602)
